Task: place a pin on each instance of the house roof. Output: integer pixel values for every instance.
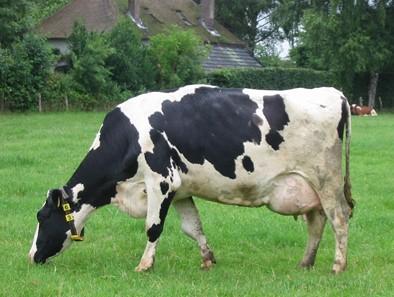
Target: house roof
(97, 15)
(224, 56)
(101, 15)
(156, 15)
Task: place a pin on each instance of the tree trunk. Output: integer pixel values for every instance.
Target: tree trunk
(373, 84)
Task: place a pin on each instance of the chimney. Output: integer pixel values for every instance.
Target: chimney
(134, 12)
(208, 13)
(208, 16)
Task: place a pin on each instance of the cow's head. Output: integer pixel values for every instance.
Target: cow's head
(53, 231)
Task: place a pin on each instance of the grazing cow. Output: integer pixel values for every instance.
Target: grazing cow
(363, 110)
(281, 149)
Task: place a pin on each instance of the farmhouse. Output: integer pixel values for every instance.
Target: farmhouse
(152, 17)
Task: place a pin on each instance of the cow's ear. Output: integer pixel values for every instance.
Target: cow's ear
(54, 198)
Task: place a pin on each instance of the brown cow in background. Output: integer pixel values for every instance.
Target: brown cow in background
(362, 110)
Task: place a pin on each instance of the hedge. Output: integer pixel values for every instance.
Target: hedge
(271, 78)
(287, 78)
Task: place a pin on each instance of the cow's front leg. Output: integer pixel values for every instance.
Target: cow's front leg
(158, 203)
(191, 226)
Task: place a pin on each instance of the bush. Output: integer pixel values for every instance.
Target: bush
(178, 55)
(129, 63)
(24, 71)
(271, 78)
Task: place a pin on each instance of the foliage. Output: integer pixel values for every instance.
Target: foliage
(271, 78)
(78, 39)
(270, 58)
(13, 21)
(89, 65)
(350, 37)
(178, 55)
(90, 79)
(129, 63)
(24, 70)
(242, 18)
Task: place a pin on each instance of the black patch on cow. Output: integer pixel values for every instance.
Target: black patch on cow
(164, 186)
(160, 160)
(248, 164)
(344, 116)
(212, 124)
(178, 161)
(277, 117)
(257, 120)
(113, 161)
(155, 230)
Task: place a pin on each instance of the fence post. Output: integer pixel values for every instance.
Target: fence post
(2, 102)
(66, 101)
(39, 103)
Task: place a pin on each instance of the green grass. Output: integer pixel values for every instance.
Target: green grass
(257, 251)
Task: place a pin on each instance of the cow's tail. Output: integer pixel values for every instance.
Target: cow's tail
(347, 185)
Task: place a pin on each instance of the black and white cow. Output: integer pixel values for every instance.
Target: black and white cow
(281, 149)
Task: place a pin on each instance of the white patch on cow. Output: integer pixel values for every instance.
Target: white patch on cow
(96, 143)
(82, 215)
(33, 248)
(374, 113)
(131, 198)
(75, 190)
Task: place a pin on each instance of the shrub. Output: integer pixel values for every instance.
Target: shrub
(24, 71)
(271, 78)
(178, 55)
(129, 63)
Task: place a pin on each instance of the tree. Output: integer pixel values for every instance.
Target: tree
(178, 55)
(13, 21)
(24, 70)
(129, 62)
(250, 20)
(89, 68)
(350, 37)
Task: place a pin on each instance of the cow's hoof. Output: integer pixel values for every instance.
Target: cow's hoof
(206, 264)
(306, 265)
(144, 266)
(337, 269)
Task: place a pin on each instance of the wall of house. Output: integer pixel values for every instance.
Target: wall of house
(60, 44)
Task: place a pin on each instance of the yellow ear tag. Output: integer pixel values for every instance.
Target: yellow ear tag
(66, 207)
(76, 238)
(69, 217)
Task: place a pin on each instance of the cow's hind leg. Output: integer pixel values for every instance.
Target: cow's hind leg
(191, 226)
(159, 200)
(316, 221)
(337, 211)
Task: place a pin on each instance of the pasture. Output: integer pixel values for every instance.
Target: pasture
(257, 251)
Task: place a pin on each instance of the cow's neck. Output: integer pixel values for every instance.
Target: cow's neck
(111, 159)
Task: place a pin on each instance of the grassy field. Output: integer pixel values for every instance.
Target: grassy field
(257, 251)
